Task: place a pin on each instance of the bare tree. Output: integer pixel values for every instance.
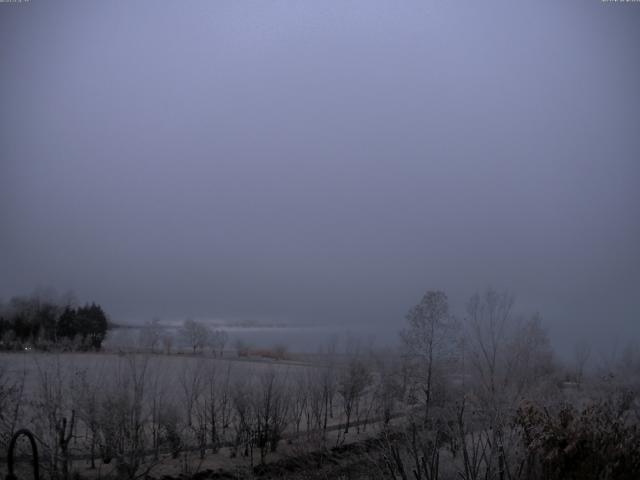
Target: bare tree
(216, 400)
(11, 404)
(530, 357)
(300, 399)
(509, 358)
(150, 335)
(157, 405)
(388, 388)
(217, 340)
(212, 404)
(86, 404)
(167, 343)
(628, 367)
(271, 407)
(581, 354)
(168, 422)
(124, 414)
(475, 445)
(243, 423)
(428, 341)
(353, 379)
(489, 319)
(56, 417)
(196, 334)
(191, 382)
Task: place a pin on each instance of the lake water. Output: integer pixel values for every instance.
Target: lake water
(303, 339)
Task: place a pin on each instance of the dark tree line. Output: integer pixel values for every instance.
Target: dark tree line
(45, 323)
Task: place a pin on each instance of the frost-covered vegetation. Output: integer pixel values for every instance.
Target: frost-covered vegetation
(480, 396)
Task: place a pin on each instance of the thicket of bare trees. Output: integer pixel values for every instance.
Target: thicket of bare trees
(12, 394)
(503, 409)
(199, 336)
(479, 397)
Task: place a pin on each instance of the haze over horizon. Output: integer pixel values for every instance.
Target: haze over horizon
(324, 162)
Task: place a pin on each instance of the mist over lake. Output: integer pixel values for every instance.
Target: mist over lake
(299, 339)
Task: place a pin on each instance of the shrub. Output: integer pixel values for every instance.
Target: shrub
(596, 442)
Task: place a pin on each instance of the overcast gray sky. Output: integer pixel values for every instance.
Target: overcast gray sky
(323, 161)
